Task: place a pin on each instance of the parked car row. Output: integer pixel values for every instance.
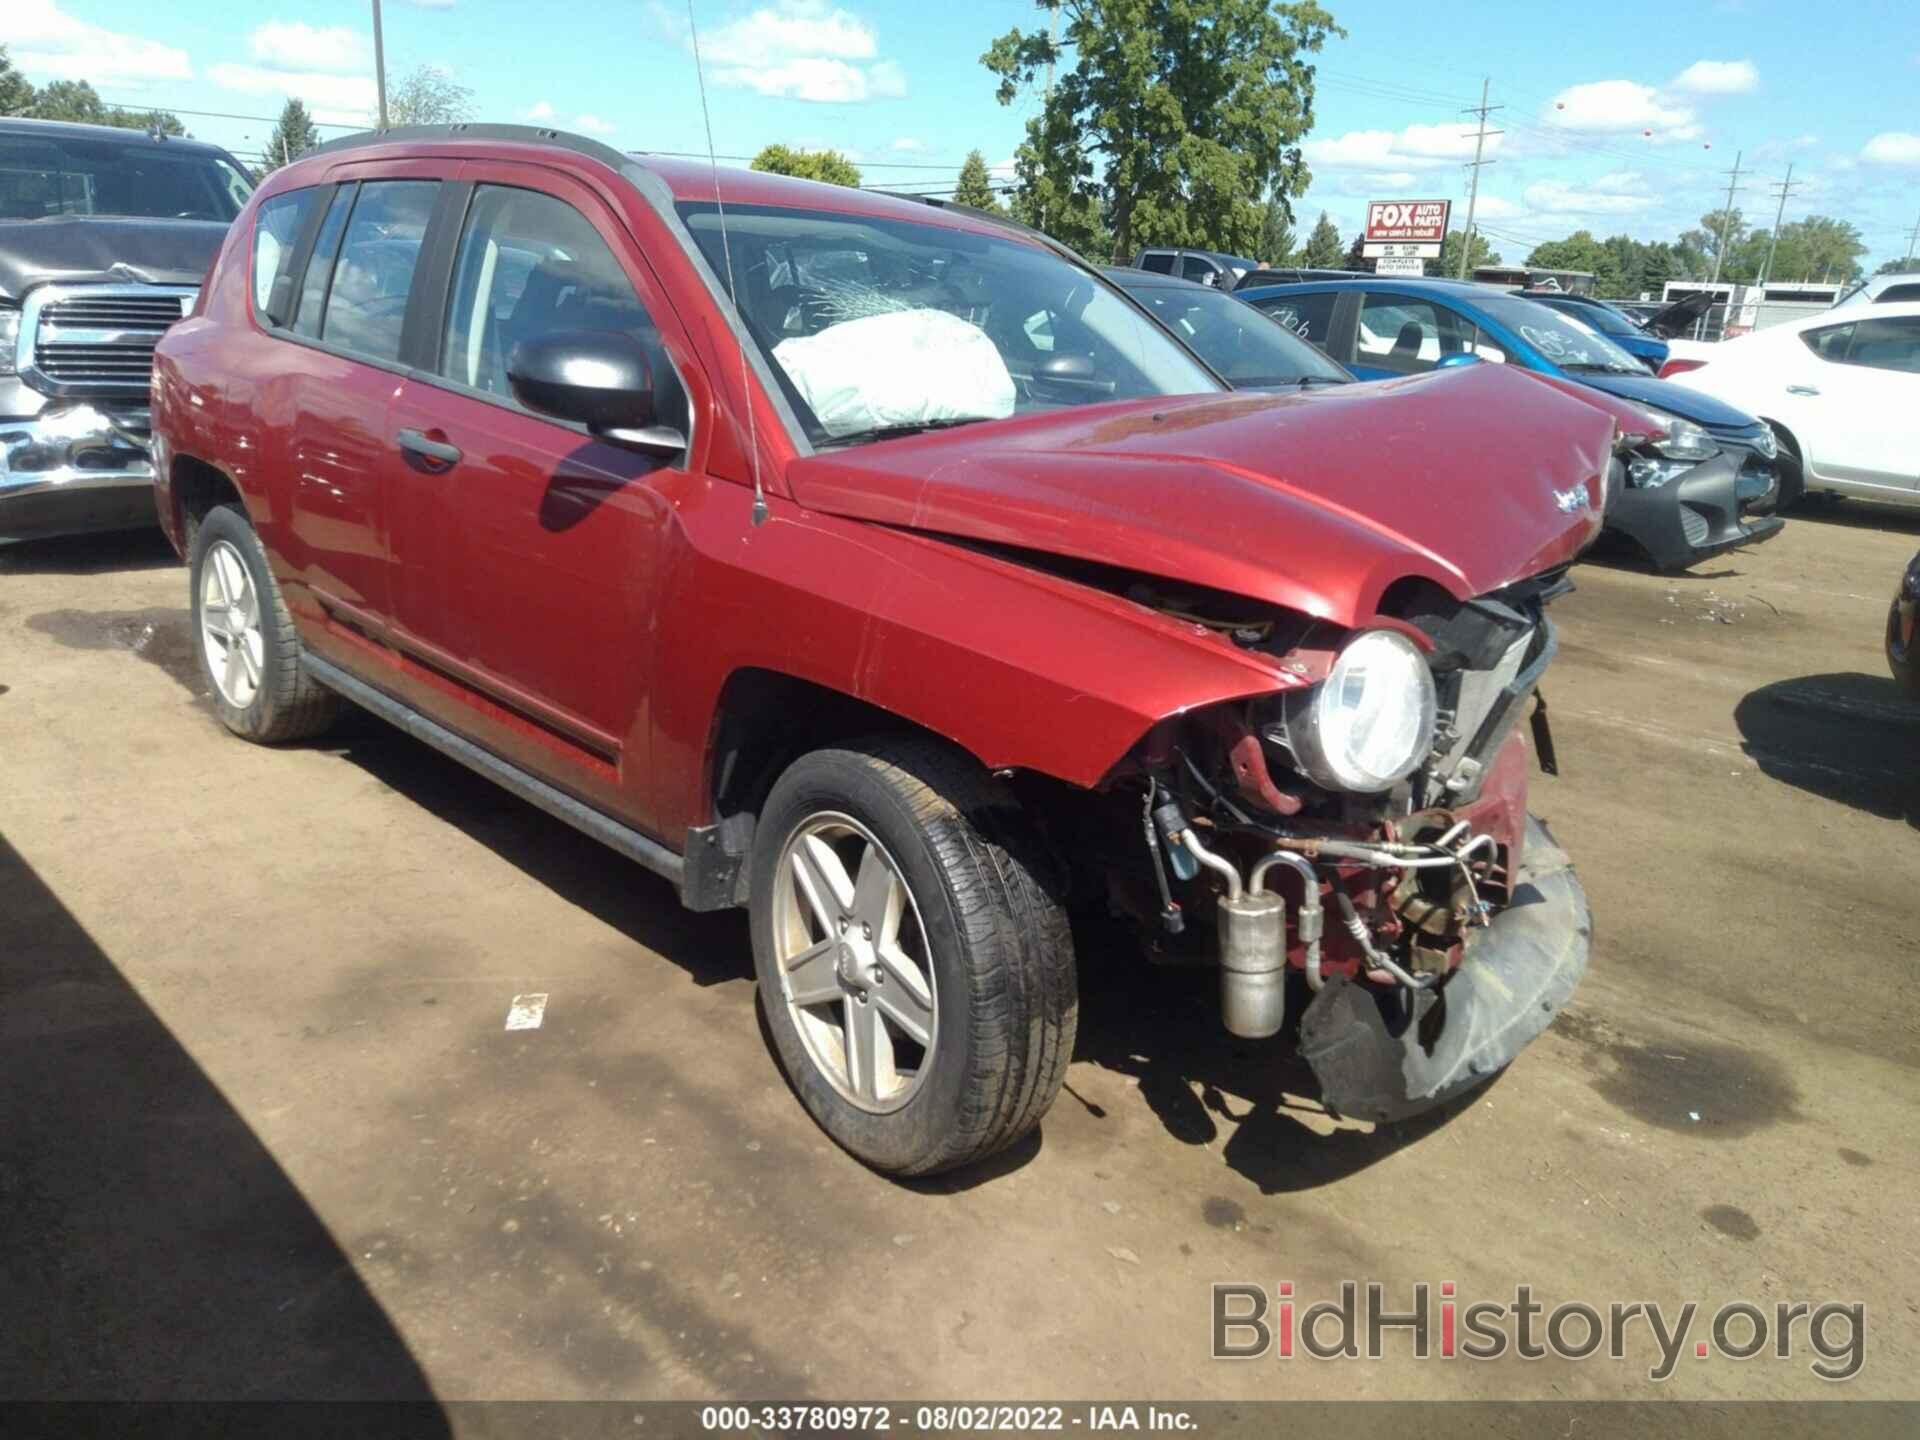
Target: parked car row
(886, 570)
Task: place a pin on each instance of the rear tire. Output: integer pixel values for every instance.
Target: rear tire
(1900, 657)
(975, 957)
(249, 650)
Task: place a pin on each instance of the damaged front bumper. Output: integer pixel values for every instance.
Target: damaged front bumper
(74, 468)
(1692, 518)
(1514, 978)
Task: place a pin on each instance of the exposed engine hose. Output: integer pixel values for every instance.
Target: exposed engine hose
(1378, 958)
(1309, 920)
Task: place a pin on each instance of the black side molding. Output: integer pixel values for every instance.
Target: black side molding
(557, 803)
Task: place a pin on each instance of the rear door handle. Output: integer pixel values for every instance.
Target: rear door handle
(1803, 390)
(420, 443)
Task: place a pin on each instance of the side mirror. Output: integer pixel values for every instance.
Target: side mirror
(597, 378)
(1457, 359)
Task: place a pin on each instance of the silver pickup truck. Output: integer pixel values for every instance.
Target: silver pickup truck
(104, 237)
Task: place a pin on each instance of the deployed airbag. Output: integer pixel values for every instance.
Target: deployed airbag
(901, 367)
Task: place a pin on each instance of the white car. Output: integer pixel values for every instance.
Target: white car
(1841, 390)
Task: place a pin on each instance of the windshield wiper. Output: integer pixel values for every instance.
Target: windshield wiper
(1582, 367)
(894, 432)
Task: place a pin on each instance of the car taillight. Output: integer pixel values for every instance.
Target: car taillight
(1678, 367)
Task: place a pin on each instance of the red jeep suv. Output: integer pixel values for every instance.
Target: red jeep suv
(884, 569)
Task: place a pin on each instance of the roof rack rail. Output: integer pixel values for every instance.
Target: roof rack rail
(521, 134)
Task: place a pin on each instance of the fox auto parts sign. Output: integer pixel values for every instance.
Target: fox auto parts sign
(1421, 222)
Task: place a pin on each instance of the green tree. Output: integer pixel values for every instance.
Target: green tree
(1177, 116)
(1579, 251)
(1908, 266)
(1276, 231)
(428, 95)
(16, 95)
(825, 165)
(975, 186)
(1449, 262)
(1715, 226)
(293, 135)
(1324, 250)
(77, 102)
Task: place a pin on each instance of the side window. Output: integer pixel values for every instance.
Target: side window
(367, 301)
(1895, 293)
(326, 246)
(1158, 261)
(1890, 344)
(1829, 342)
(1488, 348)
(1408, 336)
(276, 229)
(1192, 267)
(1308, 316)
(530, 265)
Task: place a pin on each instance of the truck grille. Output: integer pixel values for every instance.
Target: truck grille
(97, 339)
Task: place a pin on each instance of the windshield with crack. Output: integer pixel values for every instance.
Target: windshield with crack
(879, 327)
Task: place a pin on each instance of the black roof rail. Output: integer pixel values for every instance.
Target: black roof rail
(1005, 222)
(519, 134)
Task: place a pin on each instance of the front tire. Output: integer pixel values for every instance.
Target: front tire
(913, 954)
(249, 650)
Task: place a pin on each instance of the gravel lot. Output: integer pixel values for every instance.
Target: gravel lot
(264, 1132)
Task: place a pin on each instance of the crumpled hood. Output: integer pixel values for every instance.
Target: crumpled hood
(105, 248)
(1472, 478)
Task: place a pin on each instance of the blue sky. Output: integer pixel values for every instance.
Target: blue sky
(1620, 117)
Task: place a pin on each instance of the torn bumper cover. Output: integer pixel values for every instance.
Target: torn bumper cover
(1690, 519)
(1517, 974)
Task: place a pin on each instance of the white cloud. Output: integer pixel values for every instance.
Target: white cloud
(540, 110)
(1718, 77)
(1622, 193)
(796, 49)
(907, 145)
(1615, 106)
(593, 125)
(295, 45)
(1892, 147)
(44, 40)
(333, 99)
(1417, 147)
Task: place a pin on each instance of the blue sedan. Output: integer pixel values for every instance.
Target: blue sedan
(1704, 490)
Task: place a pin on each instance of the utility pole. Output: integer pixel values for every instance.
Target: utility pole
(1912, 235)
(1473, 191)
(379, 64)
(1773, 241)
(1726, 217)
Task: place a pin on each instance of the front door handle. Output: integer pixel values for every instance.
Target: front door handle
(418, 442)
(1803, 390)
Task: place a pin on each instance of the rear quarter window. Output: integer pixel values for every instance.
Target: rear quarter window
(276, 230)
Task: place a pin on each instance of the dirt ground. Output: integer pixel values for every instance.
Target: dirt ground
(262, 1132)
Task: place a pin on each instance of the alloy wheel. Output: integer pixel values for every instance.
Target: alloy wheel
(855, 971)
(230, 625)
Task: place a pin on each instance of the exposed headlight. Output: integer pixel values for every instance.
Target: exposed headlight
(1765, 442)
(1685, 440)
(1370, 722)
(9, 337)
(1650, 472)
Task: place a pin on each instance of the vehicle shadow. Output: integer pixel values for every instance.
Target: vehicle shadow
(115, 550)
(1852, 514)
(155, 1249)
(1161, 1027)
(712, 948)
(1844, 736)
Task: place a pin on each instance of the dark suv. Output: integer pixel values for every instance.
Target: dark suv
(104, 235)
(889, 572)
